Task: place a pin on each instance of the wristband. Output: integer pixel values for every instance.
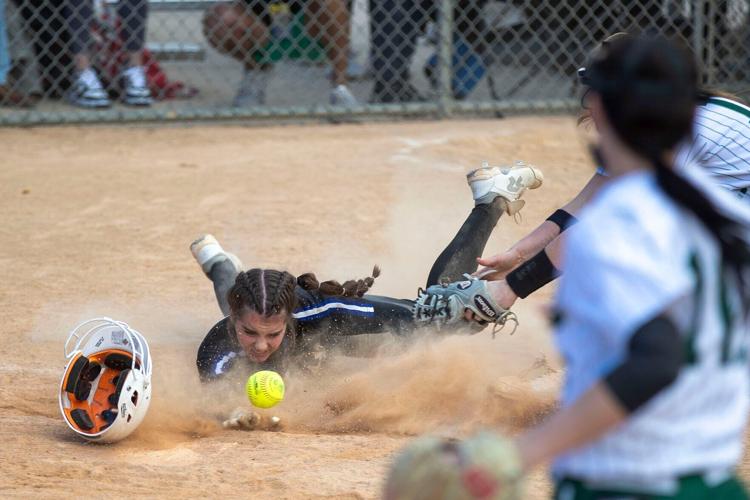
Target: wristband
(563, 219)
(532, 275)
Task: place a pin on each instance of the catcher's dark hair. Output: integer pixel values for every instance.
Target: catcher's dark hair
(648, 87)
(266, 291)
(350, 288)
(703, 94)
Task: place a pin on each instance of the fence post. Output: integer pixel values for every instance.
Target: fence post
(699, 27)
(710, 62)
(445, 55)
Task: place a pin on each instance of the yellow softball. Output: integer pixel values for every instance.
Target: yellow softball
(265, 388)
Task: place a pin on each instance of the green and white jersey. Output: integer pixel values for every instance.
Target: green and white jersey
(721, 144)
(636, 255)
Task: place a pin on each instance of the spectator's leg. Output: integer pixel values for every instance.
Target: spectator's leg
(7, 94)
(4, 50)
(22, 83)
(235, 30)
(328, 21)
(78, 14)
(87, 90)
(239, 30)
(133, 15)
(49, 33)
(394, 26)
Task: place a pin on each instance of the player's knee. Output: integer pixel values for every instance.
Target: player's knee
(232, 29)
(214, 24)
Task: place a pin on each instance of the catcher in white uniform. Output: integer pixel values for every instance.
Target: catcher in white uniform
(652, 312)
(720, 145)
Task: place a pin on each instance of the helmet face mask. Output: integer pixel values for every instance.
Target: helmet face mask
(105, 390)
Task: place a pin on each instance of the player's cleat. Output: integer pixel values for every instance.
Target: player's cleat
(341, 96)
(87, 91)
(251, 91)
(208, 252)
(487, 183)
(135, 91)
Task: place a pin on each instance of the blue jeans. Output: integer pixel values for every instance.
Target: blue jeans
(4, 55)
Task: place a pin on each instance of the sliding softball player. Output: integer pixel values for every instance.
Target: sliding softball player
(268, 312)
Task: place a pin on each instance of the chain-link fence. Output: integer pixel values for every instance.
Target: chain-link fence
(117, 60)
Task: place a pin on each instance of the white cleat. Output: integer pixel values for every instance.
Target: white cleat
(207, 252)
(487, 183)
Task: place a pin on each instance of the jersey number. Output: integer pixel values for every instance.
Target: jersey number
(731, 352)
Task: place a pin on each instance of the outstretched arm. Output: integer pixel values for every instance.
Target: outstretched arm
(498, 266)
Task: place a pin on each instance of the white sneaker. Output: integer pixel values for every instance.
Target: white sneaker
(341, 96)
(135, 91)
(252, 88)
(207, 252)
(487, 183)
(87, 91)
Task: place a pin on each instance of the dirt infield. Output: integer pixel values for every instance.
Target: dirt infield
(97, 221)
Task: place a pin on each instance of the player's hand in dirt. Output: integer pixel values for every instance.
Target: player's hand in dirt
(497, 266)
(249, 420)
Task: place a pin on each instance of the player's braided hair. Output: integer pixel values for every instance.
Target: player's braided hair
(266, 291)
(351, 288)
(648, 87)
(269, 292)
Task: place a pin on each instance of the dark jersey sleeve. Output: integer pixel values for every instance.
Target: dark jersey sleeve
(318, 313)
(218, 352)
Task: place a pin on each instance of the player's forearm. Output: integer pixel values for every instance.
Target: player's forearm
(574, 206)
(536, 240)
(548, 230)
(595, 413)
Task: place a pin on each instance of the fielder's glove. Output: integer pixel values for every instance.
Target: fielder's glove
(485, 466)
(444, 305)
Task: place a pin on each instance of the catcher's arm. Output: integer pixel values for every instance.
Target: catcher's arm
(498, 266)
(595, 413)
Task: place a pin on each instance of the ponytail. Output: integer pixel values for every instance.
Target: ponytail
(351, 288)
(735, 250)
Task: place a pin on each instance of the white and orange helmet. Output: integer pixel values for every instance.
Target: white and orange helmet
(106, 387)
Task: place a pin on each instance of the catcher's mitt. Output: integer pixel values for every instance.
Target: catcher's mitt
(444, 305)
(431, 468)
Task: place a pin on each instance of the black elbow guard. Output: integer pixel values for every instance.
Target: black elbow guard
(655, 356)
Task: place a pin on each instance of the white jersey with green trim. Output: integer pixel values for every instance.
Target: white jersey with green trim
(721, 143)
(636, 255)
